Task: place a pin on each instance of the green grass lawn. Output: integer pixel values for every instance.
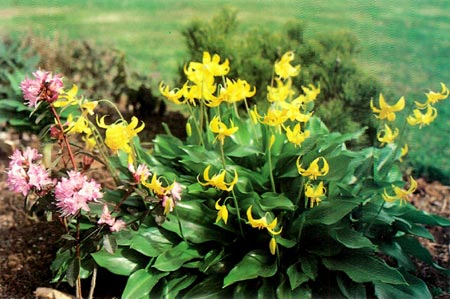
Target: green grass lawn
(404, 43)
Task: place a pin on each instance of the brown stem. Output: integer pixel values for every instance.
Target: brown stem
(79, 294)
(66, 141)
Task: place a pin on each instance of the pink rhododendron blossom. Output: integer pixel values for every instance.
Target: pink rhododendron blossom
(114, 225)
(73, 193)
(141, 173)
(176, 191)
(25, 172)
(169, 202)
(44, 87)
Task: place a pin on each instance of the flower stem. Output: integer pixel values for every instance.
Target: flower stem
(66, 140)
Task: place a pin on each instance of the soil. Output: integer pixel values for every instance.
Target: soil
(28, 245)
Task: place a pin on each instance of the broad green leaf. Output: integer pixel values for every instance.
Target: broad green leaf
(284, 291)
(173, 287)
(172, 259)
(364, 268)
(256, 263)
(168, 146)
(123, 262)
(267, 290)
(416, 288)
(349, 288)
(73, 270)
(412, 214)
(395, 250)
(271, 200)
(296, 276)
(150, 241)
(351, 238)
(196, 222)
(330, 212)
(109, 243)
(141, 282)
(209, 288)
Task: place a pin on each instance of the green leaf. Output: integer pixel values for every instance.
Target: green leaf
(172, 259)
(175, 285)
(395, 250)
(330, 212)
(256, 263)
(415, 288)
(284, 291)
(296, 277)
(73, 270)
(351, 238)
(123, 262)
(141, 282)
(168, 146)
(150, 241)
(412, 214)
(361, 268)
(208, 288)
(349, 288)
(196, 221)
(109, 243)
(266, 290)
(271, 200)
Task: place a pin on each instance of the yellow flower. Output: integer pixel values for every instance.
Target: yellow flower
(81, 125)
(87, 106)
(204, 72)
(219, 128)
(173, 95)
(274, 117)
(296, 136)
(313, 170)
(89, 142)
(261, 223)
(281, 92)
(235, 91)
(218, 180)
(292, 112)
(386, 135)
(222, 212)
(404, 152)
(68, 96)
(399, 193)
(434, 97)
(118, 135)
(156, 186)
(315, 193)
(418, 118)
(273, 246)
(283, 67)
(387, 111)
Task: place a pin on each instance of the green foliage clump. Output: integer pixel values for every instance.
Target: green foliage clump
(327, 60)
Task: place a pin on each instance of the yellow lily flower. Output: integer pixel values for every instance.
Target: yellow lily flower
(399, 193)
(219, 128)
(434, 97)
(296, 136)
(222, 212)
(204, 72)
(315, 193)
(213, 66)
(313, 170)
(387, 111)
(81, 125)
(118, 135)
(218, 180)
(386, 135)
(281, 92)
(418, 118)
(274, 117)
(173, 95)
(273, 246)
(283, 67)
(88, 107)
(404, 152)
(68, 96)
(156, 186)
(235, 91)
(261, 223)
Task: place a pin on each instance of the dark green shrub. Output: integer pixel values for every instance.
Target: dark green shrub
(327, 60)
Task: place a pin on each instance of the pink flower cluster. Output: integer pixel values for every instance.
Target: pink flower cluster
(25, 172)
(114, 225)
(73, 193)
(44, 87)
(168, 202)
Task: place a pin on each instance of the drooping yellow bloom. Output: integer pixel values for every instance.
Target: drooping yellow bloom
(273, 246)
(292, 112)
(386, 136)
(87, 106)
(67, 98)
(387, 111)
(235, 91)
(283, 67)
(219, 128)
(81, 125)
(222, 212)
(315, 193)
(281, 92)
(399, 193)
(89, 142)
(204, 72)
(422, 119)
(404, 152)
(156, 186)
(296, 136)
(313, 170)
(262, 223)
(274, 117)
(173, 95)
(218, 180)
(434, 97)
(118, 135)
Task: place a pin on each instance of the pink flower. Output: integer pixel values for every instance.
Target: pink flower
(169, 202)
(114, 225)
(176, 191)
(141, 173)
(73, 193)
(44, 87)
(25, 172)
